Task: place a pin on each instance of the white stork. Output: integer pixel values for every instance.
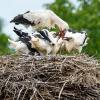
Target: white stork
(75, 40)
(19, 46)
(44, 47)
(40, 19)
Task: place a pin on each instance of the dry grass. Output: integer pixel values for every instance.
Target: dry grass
(49, 78)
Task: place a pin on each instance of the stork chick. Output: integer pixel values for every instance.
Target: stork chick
(19, 46)
(44, 47)
(25, 38)
(75, 40)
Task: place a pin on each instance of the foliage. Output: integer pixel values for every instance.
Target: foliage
(3, 41)
(83, 15)
(1, 24)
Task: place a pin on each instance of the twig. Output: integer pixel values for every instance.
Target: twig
(20, 92)
(7, 80)
(24, 93)
(33, 94)
(61, 91)
(62, 64)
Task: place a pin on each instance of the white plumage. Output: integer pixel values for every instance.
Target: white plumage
(46, 48)
(77, 41)
(47, 18)
(71, 41)
(41, 19)
(19, 46)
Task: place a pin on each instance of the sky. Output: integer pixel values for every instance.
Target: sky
(10, 8)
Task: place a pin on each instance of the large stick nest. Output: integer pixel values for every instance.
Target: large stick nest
(49, 78)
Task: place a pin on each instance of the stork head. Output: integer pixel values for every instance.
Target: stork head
(78, 37)
(34, 39)
(75, 40)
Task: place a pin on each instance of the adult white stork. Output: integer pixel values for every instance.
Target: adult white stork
(40, 19)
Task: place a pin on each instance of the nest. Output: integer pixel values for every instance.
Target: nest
(27, 77)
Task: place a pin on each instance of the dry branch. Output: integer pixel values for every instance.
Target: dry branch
(27, 77)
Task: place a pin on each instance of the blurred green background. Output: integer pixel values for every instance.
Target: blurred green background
(82, 15)
(3, 41)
